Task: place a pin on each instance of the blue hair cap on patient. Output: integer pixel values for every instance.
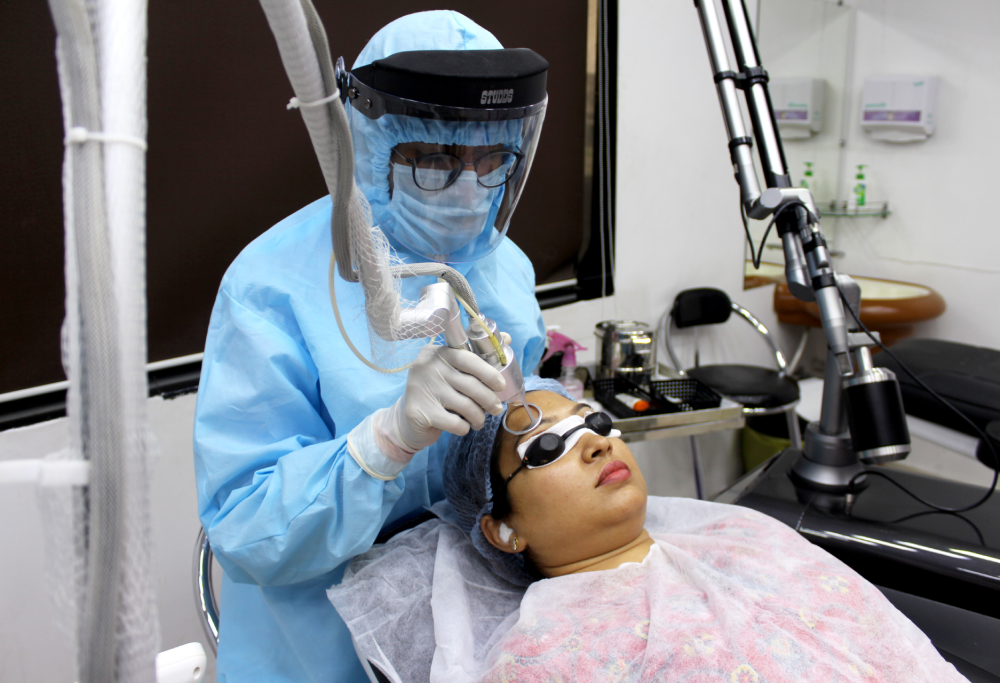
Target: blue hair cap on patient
(467, 485)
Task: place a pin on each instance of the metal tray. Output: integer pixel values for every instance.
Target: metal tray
(729, 415)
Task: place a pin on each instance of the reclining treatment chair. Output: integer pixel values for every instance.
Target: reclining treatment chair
(967, 376)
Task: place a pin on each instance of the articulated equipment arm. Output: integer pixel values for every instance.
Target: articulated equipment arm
(871, 424)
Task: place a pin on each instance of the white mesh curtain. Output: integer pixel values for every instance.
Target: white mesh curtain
(97, 534)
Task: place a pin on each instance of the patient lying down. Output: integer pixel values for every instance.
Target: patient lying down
(618, 590)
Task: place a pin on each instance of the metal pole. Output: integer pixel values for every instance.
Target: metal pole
(732, 114)
(765, 127)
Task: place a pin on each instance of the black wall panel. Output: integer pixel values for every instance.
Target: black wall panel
(226, 160)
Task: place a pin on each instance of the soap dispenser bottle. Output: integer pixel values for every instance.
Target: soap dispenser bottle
(860, 188)
(560, 342)
(807, 178)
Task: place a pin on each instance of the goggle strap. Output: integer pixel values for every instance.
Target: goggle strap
(524, 463)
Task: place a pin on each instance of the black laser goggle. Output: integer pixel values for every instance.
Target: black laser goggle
(547, 447)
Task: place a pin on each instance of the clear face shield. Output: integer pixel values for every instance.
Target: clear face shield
(451, 136)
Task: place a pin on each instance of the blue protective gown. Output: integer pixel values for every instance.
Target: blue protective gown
(284, 504)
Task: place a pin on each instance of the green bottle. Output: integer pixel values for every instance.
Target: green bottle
(807, 177)
(860, 187)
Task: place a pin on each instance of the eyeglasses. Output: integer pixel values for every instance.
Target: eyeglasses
(548, 446)
(437, 170)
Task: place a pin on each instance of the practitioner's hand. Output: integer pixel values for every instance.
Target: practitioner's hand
(447, 390)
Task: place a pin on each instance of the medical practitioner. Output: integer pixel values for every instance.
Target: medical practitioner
(302, 452)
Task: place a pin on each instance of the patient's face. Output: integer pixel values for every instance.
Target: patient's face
(566, 512)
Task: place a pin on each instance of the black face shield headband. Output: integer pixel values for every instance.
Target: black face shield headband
(460, 85)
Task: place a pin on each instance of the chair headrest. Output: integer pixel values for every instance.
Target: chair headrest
(701, 306)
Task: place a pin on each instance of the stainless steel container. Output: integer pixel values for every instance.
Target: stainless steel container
(626, 348)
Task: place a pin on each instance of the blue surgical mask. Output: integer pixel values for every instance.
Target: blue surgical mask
(438, 224)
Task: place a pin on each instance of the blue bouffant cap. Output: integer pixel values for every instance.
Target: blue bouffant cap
(467, 485)
(375, 140)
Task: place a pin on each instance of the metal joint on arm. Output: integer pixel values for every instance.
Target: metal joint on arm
(744, 80)
(733, 144)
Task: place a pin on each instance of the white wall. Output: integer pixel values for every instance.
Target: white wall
(31, 649)
(809, 39)
(678, 221)
(942, 231)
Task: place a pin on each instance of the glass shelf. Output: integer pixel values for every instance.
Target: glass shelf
(841, 210)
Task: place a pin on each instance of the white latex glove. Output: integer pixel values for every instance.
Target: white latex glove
(447, 390)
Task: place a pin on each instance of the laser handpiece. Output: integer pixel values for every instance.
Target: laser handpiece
(482, 342)
(438, 305)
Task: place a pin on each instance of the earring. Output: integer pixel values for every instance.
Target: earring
(515, 543)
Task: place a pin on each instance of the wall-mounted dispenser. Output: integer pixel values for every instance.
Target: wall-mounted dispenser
(798, 106)
(899, 108)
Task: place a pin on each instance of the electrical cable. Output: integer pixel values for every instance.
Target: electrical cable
(343, 330)
(478, 317)
(746, 229)
(606, 142)
(979, 534)
(602, 132)
(756, 257)
(941, 399)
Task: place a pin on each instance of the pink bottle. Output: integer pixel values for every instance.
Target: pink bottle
(560, 342)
